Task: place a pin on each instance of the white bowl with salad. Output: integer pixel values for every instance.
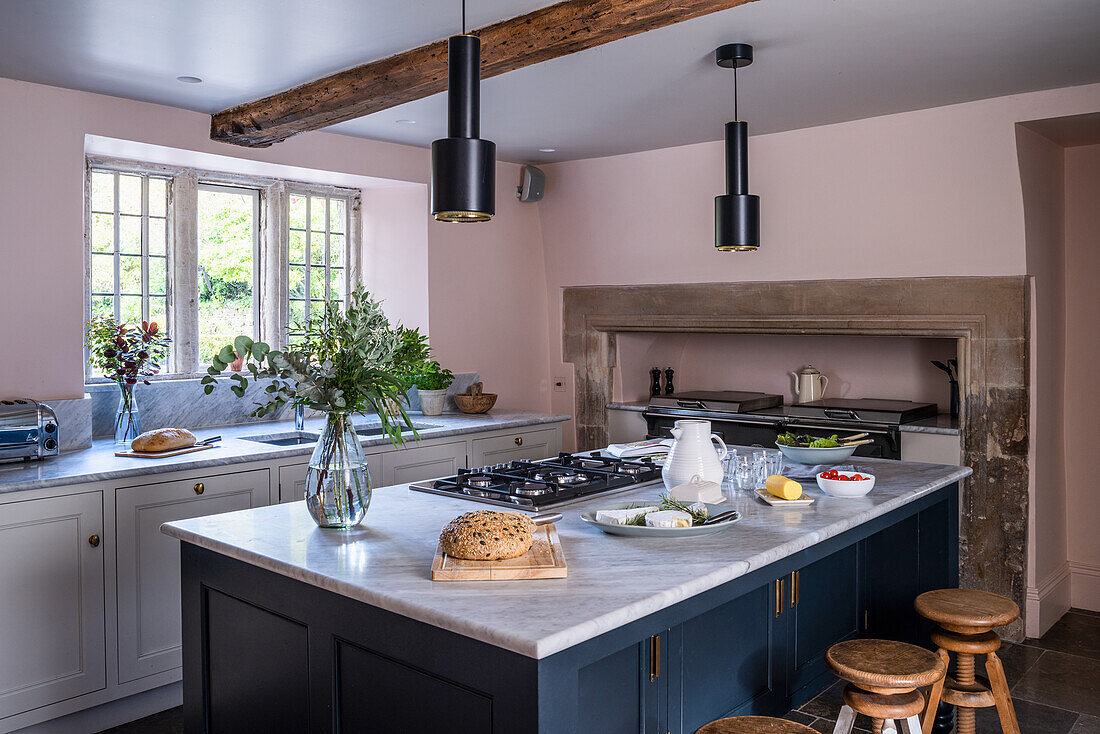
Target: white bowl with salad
(813, 450)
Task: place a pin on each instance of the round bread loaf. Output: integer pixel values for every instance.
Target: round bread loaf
(163, 439)
(486, 535)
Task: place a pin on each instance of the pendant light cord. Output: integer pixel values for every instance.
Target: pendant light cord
(464, 17)
(735, 115)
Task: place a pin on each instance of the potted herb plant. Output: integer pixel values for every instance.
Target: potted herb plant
(431, 383)
(341, 363)
(126, 354)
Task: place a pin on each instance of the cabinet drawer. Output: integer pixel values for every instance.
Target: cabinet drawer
(292, 479)
(538, 444)
(417, 463)
(51, 607)
(149, 561)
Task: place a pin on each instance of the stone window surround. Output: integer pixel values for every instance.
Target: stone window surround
(989, 317)
(273, 227)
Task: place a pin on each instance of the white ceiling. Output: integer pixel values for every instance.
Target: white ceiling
(817, 62)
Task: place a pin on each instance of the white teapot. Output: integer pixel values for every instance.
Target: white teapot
(693, 454)
(809, 384)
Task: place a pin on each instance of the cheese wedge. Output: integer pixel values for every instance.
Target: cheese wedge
(623, 517)
(668, 519)
(783, 488)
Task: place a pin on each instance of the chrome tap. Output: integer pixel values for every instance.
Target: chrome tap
(299, 418)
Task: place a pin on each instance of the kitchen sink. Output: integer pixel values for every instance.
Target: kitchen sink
(368, 431)
(294, 438)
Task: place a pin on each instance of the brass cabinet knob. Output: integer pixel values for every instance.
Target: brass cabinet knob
(199, 488)
(93, 540)
(519, 440)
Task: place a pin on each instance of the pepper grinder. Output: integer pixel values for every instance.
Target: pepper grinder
(669, 389)
(655, 387)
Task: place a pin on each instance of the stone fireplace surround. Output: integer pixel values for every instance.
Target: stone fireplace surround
(989, 317)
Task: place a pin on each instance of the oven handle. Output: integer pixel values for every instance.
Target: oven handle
(715, 419)
(861, 429)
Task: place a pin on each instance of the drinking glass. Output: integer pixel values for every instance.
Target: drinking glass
(729, 465)
(744, 473)
(773, 462)
(758, 467)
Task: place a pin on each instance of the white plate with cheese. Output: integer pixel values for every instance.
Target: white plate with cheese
(614, 516)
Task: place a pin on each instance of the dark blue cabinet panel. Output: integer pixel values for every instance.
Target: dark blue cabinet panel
(822, 609)
(615, 694)
(892, 573)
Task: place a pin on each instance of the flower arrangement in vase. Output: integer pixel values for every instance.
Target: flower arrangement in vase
(126, 354)
(341, 362)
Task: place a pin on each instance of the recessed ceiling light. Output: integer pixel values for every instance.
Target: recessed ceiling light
(406, 122)
(547, 150)
(189, 79)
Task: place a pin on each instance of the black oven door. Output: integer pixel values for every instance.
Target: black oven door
(887, 439)
(733, 431)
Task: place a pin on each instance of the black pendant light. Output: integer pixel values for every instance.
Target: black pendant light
(737, 213)
(463, 165)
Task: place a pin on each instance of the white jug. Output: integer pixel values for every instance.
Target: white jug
(809, 384)
(693, 454)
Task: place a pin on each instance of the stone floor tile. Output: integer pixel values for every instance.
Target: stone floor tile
(166, 722)
(1068, 682)
(799, 717)
(1076, 633)
(827, 704)
(1086, 725)
(1034, 718)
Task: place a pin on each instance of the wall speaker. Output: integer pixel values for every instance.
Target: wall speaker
(533, 184)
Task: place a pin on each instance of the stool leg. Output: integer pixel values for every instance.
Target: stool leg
(846, 721)
(876, 726)
(889, 726)
(965, 676)
(1005, 710)
(911, 725)
(934, 694)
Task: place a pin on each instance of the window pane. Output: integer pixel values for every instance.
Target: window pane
(316, 283)
(297, 211)
(129, 274)
(103, 233)
(297, 247)
(103, 306)
(158, 197)
(297, 312)
(337, 215)
(317, 248)
(336, 283)
(297, 281)
(158, 276)
(129, 194)
(103, 192)
(158, 312)
(129, 234)
(157, 236)
(317, 213)
(336, 249)
(226, 249)
(129, 310)
(103, 274)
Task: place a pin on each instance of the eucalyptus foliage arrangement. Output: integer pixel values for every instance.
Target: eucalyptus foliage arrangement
(341, 362)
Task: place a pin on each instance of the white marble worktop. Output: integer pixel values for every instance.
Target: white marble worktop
(100, 463)
(386, 562)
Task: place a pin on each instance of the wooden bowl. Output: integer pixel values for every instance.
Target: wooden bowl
(475, 401)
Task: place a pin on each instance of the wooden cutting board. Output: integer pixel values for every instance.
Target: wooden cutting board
(545, 560)
(163, 454)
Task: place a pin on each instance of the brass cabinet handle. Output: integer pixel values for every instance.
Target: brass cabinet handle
(794, 587)
(519, 440)
(199, 487)
(93, 540)
(778, 597)
(654, 657)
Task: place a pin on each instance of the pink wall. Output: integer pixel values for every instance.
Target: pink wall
(857, 367)
(42, 133)
(1082, 415)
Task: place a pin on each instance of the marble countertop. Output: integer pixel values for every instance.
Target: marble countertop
(942, 423)
(386, 562)
(99, 462)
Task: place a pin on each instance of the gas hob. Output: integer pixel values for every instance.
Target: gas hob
(537, 485)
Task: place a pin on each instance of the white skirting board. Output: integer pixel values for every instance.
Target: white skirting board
(1047, 602)
(113, 713)
(1085, 585)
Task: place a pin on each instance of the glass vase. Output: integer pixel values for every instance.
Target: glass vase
(337, 482)
(127, 416)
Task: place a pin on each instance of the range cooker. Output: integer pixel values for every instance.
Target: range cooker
(538, 485)
(747, 418)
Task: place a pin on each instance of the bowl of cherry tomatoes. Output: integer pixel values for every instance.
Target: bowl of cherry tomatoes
(837, 483)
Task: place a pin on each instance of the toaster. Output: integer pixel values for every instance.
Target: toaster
(28, 430)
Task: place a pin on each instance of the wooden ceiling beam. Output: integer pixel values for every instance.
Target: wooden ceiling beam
(544, 34)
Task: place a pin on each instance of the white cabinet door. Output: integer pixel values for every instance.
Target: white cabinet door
(530, 445)
(149, 561)
(417, 463)
(292, 479)
(51, 601)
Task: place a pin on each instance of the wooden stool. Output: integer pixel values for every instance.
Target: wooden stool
(966, 618)
(883, 677)
(753, 725)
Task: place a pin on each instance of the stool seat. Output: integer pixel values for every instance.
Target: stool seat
(754, 725)
(880, 706)
(884, 665)
(966, 610)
